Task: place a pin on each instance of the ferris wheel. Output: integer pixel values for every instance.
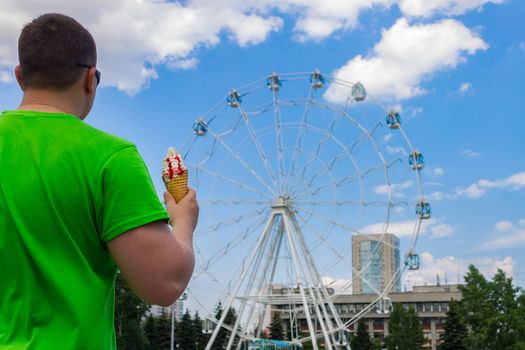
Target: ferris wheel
(286, 182)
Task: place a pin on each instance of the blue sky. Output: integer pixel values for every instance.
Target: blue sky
(454, 68)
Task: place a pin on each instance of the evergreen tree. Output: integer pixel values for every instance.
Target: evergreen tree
(377, 345)
(200, 338)
(456, 332)
(395, 328)
(163, 331)
(405, 329)
(415, 336)
(223, 336)
(150, 331)
(276, 327)
(129, 310)
(185, 333)
(361, 339)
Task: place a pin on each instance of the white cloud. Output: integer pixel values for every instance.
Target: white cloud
(441, 230)
(521, 222)
(133, 37)
(449, 268)
(514, 239)
(397, 189)
(434, 226)
(479, 189)
(6, 77)
(503, 226)
(467, 153)
(391, 70)
(394, 150)
(388, 137)
(339, 285)
(429, 8)
(184, 63)
(320, 19)
(436, 172)
(465, 88)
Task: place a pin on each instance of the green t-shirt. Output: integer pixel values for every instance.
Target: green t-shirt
(66, 188)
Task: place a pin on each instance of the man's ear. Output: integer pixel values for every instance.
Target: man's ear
(90, 81)
(18, 75)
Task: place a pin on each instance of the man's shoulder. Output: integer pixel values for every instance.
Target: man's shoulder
(105, 139)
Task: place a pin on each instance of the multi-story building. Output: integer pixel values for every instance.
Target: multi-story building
(430, 302)
(177, 308)
(375, 260)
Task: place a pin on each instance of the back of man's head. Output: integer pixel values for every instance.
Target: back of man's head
(52, 50)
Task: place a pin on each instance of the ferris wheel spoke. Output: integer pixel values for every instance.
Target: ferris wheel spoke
(258, 146)
(279, 140)
(233, 243)
(301, 133)
(335, 184)
(349, 203)
(222, 224)
(329, 220)
(241, 161)
(227, 179)
(232, 202)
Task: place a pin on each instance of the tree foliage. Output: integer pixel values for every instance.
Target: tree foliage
(276, 327)
(456, 332)
(185, 333)
(405, 331)
(494, 312)
(129, 311)
(223, 336)
(361, 340)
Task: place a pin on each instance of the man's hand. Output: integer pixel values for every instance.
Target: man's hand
(183, 215)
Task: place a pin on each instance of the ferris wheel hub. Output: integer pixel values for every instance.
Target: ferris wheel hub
(283, 201)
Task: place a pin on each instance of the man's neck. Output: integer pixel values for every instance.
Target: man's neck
(48, 101)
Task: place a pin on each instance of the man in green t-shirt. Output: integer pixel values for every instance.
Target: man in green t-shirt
(76, 204)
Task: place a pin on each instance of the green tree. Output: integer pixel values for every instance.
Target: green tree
(456, 332)
(223, 335)
(493, 311)
(414, 329)
(185, 333)
(361, 339)
(475, 307)
(200, 338)
(377, 345)
(405, 329)
(276, 327)
(129, 311)
(150, 331)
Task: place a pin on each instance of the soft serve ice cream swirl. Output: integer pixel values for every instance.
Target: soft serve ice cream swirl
(172, 165)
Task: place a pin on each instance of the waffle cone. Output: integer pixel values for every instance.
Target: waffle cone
(178, 186)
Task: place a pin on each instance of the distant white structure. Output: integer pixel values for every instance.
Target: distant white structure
(177, 307)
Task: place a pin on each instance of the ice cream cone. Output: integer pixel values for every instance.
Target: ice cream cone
(178, 186)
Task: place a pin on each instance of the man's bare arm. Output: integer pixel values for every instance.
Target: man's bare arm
(155, 260)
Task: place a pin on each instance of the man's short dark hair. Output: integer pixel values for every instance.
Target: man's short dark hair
(50, 48)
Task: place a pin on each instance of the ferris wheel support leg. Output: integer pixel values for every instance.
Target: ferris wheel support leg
(251, 281)
(317, 277)
(275, 248)
(301, 275)
(261, 249)
(262, 238)
(314, 280)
